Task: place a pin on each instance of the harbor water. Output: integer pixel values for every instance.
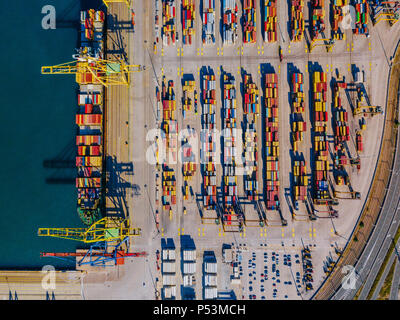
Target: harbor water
(37, 115)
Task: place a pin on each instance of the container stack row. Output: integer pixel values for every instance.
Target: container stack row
(249, 21)
(340, 120)
(337, 18)
(251, 111)
(170, 128)
(208, 148)
(297, 20)
(188, 20)
(230, 148)
(168, 271)
(169, 123)
(270, 21)
(210, 280)
(169, 15)
(272, 141)
(230, 21)
(208, 21)
(299, 167)
(300, 180)
(362, 12)
(321, 152)
(297, 118)
(169, 187)
(318, 15)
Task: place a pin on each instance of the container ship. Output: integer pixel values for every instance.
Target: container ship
(89, 121)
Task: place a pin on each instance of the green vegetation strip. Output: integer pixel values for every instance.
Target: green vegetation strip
(385, 290)
(383, 266)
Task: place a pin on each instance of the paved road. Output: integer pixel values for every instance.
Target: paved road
(394, 290)
(389, 220)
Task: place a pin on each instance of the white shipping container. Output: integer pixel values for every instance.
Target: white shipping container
(210, 280)
(210, 293)
(189, 255)
(189, 268)
(168, 267)
(187, 280)
(170, 292)
(171, 254)
(168, 279)
(210, 267)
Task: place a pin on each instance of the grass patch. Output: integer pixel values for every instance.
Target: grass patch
(383, 266)
(387, 285)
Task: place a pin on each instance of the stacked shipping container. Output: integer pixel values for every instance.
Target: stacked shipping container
(170, 129)
(318, 14)
(188, 19)
(251, 111)
(270, 21)
(341, 127)
(208, 144)
(249, 21)
(297, 20)
(169, 29)
(272, 141)
(321, 153)
(208, 21)
(362, 11)
(297, 99)
(229, 153)
(299, 169)
(230, 21)
(337, 18)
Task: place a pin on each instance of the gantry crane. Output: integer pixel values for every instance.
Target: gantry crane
(106, 229)
(329, 43)
(354, 194)
(386, 12)
(99, 254)
(92, 70)
(127, 2)
(372, 110)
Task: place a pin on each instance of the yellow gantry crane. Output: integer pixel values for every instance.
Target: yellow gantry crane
(127, 2)
(372, 110)
(328, 43)
(106, 229)
(90, 70)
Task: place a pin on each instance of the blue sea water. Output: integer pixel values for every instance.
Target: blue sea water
(37, 115)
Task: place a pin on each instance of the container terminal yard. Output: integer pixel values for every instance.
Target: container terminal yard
(230, 149)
